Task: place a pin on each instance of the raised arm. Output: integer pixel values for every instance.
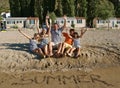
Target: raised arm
(65, 21)
(24, 34)
(49, 29)
(82, 32)
(46, 21)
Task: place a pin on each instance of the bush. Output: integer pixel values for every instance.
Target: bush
(116, 25)
(14, 26)
(73, 25)
(52, 16)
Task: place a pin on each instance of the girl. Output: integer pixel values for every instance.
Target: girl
(45, 40)
(33, 43)
(68, 41)
(76, 44)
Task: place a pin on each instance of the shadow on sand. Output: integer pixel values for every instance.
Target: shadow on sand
(20, 47)
(17, 46)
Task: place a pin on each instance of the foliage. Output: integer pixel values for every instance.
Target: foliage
(102, 8)
(58, 8)
(1, 18)
(39, 10)
(14, 26)
(4, 6)
(15, 8)
(116, 4)
(68, 7)
(91, 12)
(73, 25)
(52, 16)
(105, 9)
(81, 8)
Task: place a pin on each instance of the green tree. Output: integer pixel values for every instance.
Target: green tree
(27, 7)
(81, 8)
(4, 6)
(58, 8)
(68, 7)
(1, 18)
(39, 10)
(116, 4)
(105, 9)
(45, 8)
(51, 5)
(91, 11)
(117, 12)
(15, 8)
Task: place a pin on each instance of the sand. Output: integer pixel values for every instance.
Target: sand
(97, 67)
(98, 78)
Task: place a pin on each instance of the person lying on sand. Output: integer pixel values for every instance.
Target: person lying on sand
(33, 43)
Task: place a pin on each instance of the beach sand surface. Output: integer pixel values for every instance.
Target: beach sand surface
(97, 67)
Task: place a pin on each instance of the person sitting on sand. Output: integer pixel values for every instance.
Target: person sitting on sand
(76, 44)
(45, 40)
(68, 41)
(33, 43)
(56, 34)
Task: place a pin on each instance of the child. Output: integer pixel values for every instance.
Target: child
(68, 41)
(45, 40)
(33, 43)
(76, 44)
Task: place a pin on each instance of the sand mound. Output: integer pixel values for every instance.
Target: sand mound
(91, 56)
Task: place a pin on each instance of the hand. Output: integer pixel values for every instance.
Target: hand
(19, 29)
(83, 30)
(47, 17)
(36, 21)
(65, 17)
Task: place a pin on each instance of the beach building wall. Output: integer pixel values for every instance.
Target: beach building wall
(22, 22)
(76, 21)
(112, 23)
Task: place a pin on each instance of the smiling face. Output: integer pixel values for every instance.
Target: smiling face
(36, 36)
(71, 32)
(55, 26)
(44, 31)
(75, 35)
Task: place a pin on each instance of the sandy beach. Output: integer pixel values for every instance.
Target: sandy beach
(97, 67)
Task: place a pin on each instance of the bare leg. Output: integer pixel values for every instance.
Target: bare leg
(39, 51)
(71, 51)
(78, 52)
(50, 48)
(46, 50)
(59, 48)
(68, 50)
(63, 48)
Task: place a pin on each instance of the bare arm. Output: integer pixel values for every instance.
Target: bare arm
(82, 32)
(46, 21)
(65, 21)
(24, 34)
(49, 29)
